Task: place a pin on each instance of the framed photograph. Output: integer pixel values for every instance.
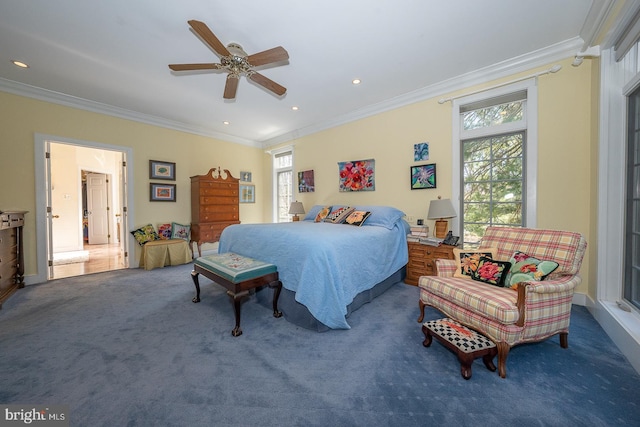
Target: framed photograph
(247, 193)
(357, 175)
(245, 176)
(423, 176)
(162, 192)
(162, 170)
(306, 182)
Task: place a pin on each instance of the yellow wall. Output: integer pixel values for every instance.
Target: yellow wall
(21, 118)
(567, 153)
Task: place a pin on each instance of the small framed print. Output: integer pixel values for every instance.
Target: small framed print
(245, 176)
(247, 193)
(162, 192)
(423, 176)
(162, 170)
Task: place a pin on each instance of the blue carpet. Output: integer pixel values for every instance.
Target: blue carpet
(129, 348)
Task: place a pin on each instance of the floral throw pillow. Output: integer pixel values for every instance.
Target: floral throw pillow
(357, 218)
(491, 271)
(164, 231)
(145, 234)
(322, 214)
(180, 231)
(467, 260)
(525, 268)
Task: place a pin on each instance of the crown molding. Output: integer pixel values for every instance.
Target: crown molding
(40, 94)
(503, 69)
(539, 58)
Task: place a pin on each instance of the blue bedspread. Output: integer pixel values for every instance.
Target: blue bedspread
(326, 265)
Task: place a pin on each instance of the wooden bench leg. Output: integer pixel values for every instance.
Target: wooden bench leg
(276, 295)
(237, 304)
(194, 276)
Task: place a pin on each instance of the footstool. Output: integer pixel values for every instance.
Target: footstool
(464, 342)
(238, 274)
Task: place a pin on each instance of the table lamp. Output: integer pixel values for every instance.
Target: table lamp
(295, 209)
(439, 210)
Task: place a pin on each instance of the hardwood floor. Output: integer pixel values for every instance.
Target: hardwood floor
(101, 258)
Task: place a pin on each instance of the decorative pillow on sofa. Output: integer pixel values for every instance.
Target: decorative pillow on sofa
(145, 234)
(491, 271)
(322, 214)
(179, 231)
(357, 218)
(467, 260)
(525, 268)
(164, 231)
(339, 214)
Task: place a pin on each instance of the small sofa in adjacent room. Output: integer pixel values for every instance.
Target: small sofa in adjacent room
(531, 307)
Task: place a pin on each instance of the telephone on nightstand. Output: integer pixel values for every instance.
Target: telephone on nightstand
(450, 239)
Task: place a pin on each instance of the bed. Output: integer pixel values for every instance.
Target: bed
(328, 270)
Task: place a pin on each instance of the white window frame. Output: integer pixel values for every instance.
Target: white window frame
(618, 81)
(531, 146)
(274, 179)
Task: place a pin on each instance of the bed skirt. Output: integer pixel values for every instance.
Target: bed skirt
(299, 315)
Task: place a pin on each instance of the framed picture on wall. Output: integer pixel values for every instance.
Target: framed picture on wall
(423, 176)
(162, 170)
(162, 192)
(247, 193)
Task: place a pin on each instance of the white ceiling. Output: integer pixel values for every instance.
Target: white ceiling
(112, 55)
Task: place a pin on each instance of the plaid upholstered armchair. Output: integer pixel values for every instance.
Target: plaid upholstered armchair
(531, 310)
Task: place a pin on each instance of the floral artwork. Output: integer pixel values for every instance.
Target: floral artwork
(306, 182)
(421, 152)
(358, 175)
(423, 176)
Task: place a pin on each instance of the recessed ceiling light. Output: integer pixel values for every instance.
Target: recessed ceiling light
(356, 81)
(294, 108)
(226, 122)
(20, 64)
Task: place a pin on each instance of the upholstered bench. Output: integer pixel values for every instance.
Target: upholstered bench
(464, 342)
(238, 274)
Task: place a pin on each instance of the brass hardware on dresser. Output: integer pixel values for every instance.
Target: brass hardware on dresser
(214, 206)
(11, 253)
(422, 260)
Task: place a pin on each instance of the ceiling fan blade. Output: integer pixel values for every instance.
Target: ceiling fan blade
(190, 67)
(231, 87)
(267, 83)
(207, 35)
(276, 54)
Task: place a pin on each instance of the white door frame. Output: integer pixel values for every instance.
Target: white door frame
(41, 184)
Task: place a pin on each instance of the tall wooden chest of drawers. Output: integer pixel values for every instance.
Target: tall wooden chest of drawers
(11, 253)
(214, 206)
(422, 260)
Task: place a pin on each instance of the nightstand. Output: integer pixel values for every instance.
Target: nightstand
(422, 260)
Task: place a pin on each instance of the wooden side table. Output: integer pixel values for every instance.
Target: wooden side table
(422, 260)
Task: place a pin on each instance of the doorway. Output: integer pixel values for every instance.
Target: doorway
(81, 207)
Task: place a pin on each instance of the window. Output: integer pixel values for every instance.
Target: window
(283, 184)
(494, 161)
(632, 220)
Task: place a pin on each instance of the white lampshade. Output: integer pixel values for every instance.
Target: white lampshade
(296, 208)
(441, 208)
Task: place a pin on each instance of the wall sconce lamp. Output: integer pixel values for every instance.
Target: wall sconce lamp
(296, 209)
(439, 210)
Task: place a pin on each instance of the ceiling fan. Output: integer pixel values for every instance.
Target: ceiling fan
(235, 61)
